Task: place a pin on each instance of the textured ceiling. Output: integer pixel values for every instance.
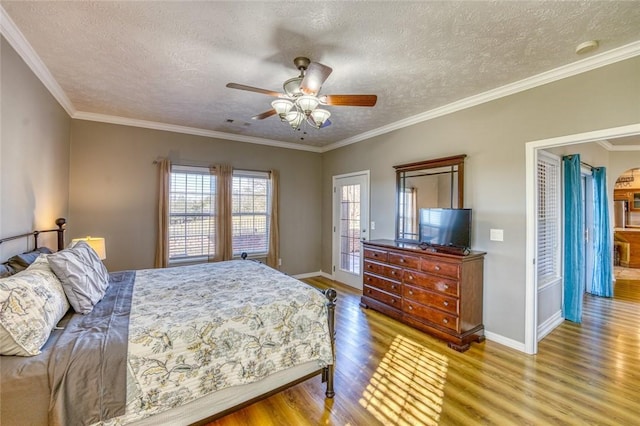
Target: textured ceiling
(169, 62)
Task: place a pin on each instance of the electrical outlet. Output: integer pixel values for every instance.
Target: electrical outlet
(279, 262)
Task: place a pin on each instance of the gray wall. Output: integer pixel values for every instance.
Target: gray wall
(34, 155)
(113, 189)
(493, 135)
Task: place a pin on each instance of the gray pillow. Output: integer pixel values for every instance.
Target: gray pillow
(84, 278)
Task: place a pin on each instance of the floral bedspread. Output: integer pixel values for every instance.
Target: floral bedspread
(197, 329)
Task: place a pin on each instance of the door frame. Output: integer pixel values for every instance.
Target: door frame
(531, 300)
(335, 255)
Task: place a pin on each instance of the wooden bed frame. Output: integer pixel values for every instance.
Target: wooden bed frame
(326, 372)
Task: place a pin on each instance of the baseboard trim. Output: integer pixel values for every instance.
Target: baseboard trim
(497, 338)
(307, 275)
(550, 324)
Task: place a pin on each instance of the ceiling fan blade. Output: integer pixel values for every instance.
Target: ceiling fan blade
(349, 100)
(264, 115)
(314, 77)
(254, 89)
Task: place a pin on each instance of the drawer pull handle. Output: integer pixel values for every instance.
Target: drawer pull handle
(437, 268)
(375, 254)
(401, 260)
(393, 287)
(446, 287)
(411, 277)
(393, 272)
(410, 308)
(393, 300)
(446, 321)
(368, 278)
(446, 303)
(410, 293)
(369, 291)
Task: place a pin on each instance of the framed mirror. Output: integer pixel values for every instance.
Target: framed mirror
(431, 183)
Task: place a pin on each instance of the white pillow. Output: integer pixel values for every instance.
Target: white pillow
(31, 304)
(84, 277)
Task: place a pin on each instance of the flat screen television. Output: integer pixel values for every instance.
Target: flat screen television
(446, 227)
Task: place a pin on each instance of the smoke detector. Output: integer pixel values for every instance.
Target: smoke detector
(586, 47)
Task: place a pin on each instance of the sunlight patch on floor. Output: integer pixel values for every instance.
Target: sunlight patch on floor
(407, 388)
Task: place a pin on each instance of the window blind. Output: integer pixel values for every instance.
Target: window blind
(191, 213)
(548, 218)
(251, 211)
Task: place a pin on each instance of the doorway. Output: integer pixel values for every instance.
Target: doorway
(350, 226)
(531, 154)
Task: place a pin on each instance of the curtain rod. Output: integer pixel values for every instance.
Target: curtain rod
(213, 166)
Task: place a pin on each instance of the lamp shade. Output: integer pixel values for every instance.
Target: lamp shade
(295, 118)
(307, 103)
(282, 107)
(97, 244)
(319, 116)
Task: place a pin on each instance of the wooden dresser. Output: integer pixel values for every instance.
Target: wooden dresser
(439, 293)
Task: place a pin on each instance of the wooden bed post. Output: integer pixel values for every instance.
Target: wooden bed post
(327, 372)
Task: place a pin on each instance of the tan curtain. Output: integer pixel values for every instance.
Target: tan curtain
(274, 232)
(162, 243)
(224, 183)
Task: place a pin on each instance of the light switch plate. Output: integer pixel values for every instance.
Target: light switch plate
(496, 235)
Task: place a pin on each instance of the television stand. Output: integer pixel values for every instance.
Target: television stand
(436, 292)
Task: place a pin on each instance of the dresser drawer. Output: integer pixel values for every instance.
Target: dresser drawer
(404, 260)
(384, 270)
(382, 284)
(425, 313)
(384, 297)
(440, 268)
(435, 300)
(431, 282)
(379, 255)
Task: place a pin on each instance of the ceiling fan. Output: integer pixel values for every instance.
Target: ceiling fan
(300, 100)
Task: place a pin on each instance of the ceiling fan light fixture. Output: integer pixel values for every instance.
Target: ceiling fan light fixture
(319, 117)
(295, 118)
(282, 107)
(307, 103)
(292, 87)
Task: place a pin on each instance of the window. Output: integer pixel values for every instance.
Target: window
(191, 213)
(407, 216)
(549, 218)
(251, 207)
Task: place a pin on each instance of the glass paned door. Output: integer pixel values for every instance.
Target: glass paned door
(351, 226)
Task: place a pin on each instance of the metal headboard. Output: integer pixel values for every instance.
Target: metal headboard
(60, 222)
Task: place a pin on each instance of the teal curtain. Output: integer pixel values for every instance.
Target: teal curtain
(574, 252)
(602, 284)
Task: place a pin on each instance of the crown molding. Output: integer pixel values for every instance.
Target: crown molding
(597, 61)
(624, 148)
(112, 119)
(15, 38)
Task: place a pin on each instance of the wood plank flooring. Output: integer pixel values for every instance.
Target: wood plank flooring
(390, 374)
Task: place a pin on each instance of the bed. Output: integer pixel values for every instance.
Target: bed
(146, 354)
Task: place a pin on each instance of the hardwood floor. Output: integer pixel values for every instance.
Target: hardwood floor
(390, 374)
